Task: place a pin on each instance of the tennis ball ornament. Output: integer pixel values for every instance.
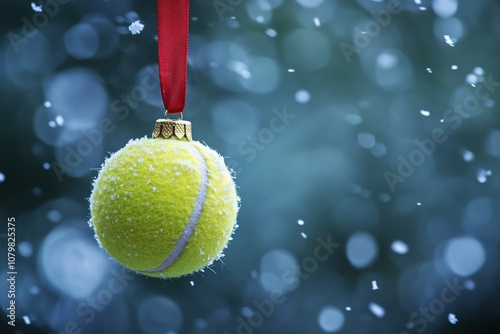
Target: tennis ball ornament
(164, 206)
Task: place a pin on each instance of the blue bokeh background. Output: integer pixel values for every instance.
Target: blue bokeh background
(364, 136)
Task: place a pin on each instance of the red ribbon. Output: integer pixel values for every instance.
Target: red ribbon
(173, 34)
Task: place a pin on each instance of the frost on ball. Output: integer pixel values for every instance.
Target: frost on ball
(164, 207)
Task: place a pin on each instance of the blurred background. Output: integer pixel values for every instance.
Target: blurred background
(364, 135)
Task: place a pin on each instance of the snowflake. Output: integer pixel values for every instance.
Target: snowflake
(449, 41)
(452, 318)
(136, 27)
(36, 8)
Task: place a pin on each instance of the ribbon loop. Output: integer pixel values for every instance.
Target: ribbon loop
(173, 35)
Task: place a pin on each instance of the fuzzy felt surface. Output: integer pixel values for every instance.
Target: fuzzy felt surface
(144, 197)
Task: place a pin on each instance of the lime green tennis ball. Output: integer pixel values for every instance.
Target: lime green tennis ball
(164, 207)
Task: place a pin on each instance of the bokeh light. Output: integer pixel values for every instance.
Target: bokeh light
(70, 262)
(464, 255)
(331, 319)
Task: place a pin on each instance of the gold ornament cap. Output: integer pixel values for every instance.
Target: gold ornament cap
(170, 128)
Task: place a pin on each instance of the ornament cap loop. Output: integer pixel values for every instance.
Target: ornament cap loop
(176, 129)
(166, 115)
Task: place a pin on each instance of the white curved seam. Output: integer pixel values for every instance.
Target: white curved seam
(193, 219)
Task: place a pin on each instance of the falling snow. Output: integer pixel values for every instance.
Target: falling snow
(467, 155)
(59, 120)
(271, 32)
(471, 79)
(36, 8)
(377, 310)
(275, 59)
(452, 319)
(482, 175)
(425, 112)
(448, 40)
(241, 69)
(399, 247)
(136, 27)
